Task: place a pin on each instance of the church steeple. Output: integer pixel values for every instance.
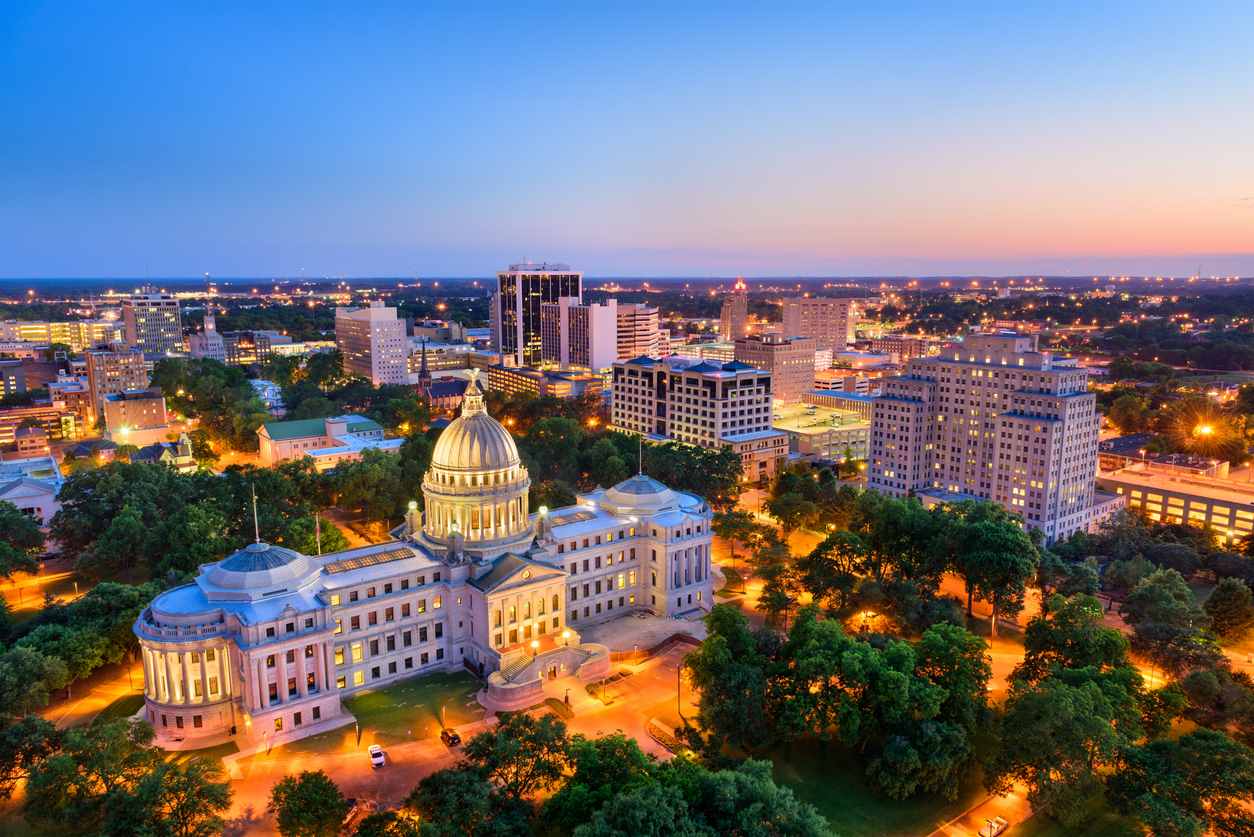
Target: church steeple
(424, 373)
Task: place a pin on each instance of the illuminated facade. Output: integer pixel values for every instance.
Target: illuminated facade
(992, 418)
(263, 644)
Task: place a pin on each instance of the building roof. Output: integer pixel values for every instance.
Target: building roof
(281, 431)
(506, 567)
(258, 556)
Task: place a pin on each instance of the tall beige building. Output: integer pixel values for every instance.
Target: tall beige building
(373, 343)
(152, 322)
(790, 360)
(733, 320)
(638, 334)
(701, 403)
(991, 418)
(579, 334)
(829, 321)
(113, 372)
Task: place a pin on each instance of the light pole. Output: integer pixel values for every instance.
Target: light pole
(679, 685)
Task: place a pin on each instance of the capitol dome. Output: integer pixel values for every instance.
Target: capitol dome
(475, 491)
(475, 441)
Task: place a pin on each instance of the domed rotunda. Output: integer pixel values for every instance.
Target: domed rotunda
(476, 488)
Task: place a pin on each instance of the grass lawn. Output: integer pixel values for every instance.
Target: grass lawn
(831, 779)
(406, 711)
(1099, 821)
(123, 707)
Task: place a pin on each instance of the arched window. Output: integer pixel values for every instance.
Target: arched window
(556, 605)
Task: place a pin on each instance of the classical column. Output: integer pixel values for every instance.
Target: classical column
(204, 679)
(225, 687)
(169, 677)
(328, 666)
(185, 661)
(301, 688)
(262, 691)
(147, 671)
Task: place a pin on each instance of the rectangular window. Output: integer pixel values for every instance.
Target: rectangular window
(296, 719)
(356, 652)
(341, 683)
(425, 658)
(372, 618)
(339, 626)
(407, 638)
(359, 677)
(198, 721)
(439, 629)
(354, 623)
(317, 713)
(437, 603)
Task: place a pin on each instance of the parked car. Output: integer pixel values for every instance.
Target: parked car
(450, 738)
(997, 825)
(377, 757)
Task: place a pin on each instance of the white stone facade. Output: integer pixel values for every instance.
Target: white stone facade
(264, 643)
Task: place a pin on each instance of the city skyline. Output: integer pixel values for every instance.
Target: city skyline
(680, 143)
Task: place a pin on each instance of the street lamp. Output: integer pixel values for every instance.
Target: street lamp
(566, 638)
(535, 648)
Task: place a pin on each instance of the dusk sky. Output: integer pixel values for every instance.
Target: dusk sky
(758, 138)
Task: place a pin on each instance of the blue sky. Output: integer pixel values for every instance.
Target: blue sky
(764, 139)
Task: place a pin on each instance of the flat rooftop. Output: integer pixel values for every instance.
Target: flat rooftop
(1228, 491)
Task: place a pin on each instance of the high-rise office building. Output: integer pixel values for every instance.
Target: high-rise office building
(733, 320)
(991, 418)
(79, 335)
(583, 335)
(790, 360)
(208, 343)
(516, 307)
(702, 403)
(112, 372)
(152, 322)
(373, 343)
(829, 321)
(638, 332)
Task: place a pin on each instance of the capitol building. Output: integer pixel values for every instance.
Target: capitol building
(264, 644)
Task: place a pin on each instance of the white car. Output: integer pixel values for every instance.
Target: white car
(377, 757)
(996, 826)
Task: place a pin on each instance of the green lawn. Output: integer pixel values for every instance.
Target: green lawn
(404, 712)
(831, 779)
(123, 707)
(411, 709)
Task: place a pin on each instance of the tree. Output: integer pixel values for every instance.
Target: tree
(457, 801)
(734, 525)
(1199, 783)
(603, 767)
(89, 785)
(651, 810)
(27, 679)
(389, 824)
(80, 649)
(184, 799)
(119, 549)
(1168, 626)
(728, 669)
(24, 743)
(1130, 413)
(306, 537)
(521, 755)
(793, 511)
(20, 541)
(308, 805)
(957, 661)
(829, 572)
(1059, 736)
(992, 553)
(1068, 634)
(1230, 607)
(372, 485)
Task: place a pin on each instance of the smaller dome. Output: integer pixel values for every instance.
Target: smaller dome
(259, 556)
(640, 494)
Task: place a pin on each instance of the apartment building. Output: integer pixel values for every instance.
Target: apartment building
(373, 343)
(790, 360)
(152, 322)
(829, 321)
(992, 418)
(701, 403)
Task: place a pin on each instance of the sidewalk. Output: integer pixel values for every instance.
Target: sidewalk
(95, 693)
